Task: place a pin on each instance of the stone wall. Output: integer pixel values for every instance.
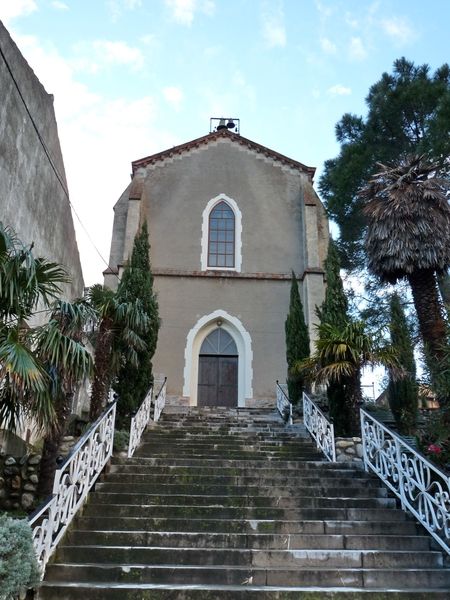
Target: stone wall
(349, 449)
(32, 199)
(18, 481)
(19, 476)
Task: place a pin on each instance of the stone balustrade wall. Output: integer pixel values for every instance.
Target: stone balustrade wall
(19, 476)
(349, 449)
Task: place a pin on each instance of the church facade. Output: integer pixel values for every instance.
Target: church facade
(229, 220)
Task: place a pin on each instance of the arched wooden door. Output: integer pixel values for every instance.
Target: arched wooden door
(218, 370)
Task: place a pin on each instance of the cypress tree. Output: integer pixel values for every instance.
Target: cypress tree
(334, 311)
(403, 393)
(133, 382)
(297, 341)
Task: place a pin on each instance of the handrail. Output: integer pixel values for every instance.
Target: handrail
(283, 403)
(139, 422)
(423, 489)
(160, 401)
(320, 428)
(72, 483)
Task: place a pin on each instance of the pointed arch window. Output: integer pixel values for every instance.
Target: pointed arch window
(221, 235)
(221, 239)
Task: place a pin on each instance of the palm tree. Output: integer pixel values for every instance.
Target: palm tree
(342, 351)
(59, 346)
(120, 324)
(409, 237)
(25, 282)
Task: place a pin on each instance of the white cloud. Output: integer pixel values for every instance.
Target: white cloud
(174, 96)
(117, 7)
(100, 54)
(59, 5)
(351, 20)
(339, 90)
(183, 11)
(99, 139)
(399, 30)
(12, 9)
(324, 10)
(273, 27)
(328, 46)
(356, 49)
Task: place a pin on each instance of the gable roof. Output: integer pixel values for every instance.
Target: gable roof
(223, 133)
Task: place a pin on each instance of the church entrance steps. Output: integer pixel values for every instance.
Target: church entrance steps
(231, 504)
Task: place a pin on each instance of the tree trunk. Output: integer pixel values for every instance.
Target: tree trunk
(429, 311)
(101, 380)
(444, 288)
(52, 442)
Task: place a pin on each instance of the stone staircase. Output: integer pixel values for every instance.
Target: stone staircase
(232, 504)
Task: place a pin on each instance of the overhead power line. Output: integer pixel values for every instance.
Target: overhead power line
(50, 159)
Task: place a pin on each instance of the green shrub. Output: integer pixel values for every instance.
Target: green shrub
(18, 565)
(121, 440)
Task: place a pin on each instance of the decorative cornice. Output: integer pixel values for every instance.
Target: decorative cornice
(234, 274)
(217, 135)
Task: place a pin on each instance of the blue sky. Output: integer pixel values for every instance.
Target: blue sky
(133, 77)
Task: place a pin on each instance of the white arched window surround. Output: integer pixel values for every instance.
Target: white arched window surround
(237, 234)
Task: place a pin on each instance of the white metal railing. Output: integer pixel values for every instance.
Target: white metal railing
(73, 480)
(284, 405)
(160, 401)
(139, 422)
(320, 428)
(422, 487)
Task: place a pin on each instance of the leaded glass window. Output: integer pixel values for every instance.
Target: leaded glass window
(221, 236)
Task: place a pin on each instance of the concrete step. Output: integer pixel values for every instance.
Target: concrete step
(244, 512)
(274, 559)
(230, 504)
(291, 541)
(272, 479)
(319, 577)
(238, 464)
(104, 523)
(197, 489)
(149, 466)
(200, 500)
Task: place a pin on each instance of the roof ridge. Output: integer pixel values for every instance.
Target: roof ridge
(223, 133)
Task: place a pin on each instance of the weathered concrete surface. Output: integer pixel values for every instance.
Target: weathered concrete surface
(32, 200)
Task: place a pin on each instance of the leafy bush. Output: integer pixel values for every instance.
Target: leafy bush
(18, 565)
(121, 440)
(434, 440)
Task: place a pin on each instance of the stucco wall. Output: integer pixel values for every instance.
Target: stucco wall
(267, 196)
(31, 198)
(261, 307)
(284, 228)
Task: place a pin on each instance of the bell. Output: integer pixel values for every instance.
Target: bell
(230, 124)
(221, 125)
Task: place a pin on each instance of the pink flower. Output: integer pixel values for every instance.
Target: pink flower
(434, 448)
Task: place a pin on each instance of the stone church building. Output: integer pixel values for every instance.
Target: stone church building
(228, 221)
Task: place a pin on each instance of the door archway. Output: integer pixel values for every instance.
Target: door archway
(204, 326)
(218, 370)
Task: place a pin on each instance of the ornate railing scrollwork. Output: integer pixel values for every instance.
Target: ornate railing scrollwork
(422, 487)
(160, 401)
(73, 480)
(284, 405)
(139, 422)
(319, 427)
